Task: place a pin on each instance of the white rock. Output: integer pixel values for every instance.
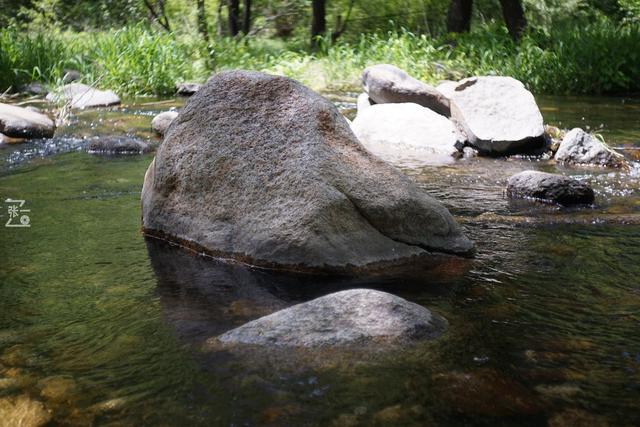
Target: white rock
(83, 96)
(406, 134)
(497, 115)
(579, 147)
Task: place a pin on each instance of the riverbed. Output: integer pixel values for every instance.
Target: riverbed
(102, 326)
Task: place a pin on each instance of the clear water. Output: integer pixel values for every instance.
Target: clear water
(543, 322)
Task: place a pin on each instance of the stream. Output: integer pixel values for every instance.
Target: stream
(105, 327)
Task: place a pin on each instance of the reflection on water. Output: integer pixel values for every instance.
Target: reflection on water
(99, 326)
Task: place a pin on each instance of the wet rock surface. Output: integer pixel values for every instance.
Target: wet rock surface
(18, 122)
(117, 145)
(385, 83)
(581, 148)
(262, 169)
(406, 134)
(359, 316)
(79, 95)
(549, 187)
(162, 121)
(497, 115)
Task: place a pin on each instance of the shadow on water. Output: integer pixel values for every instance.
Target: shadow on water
(203, 296)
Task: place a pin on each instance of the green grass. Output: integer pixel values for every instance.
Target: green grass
(601, 57)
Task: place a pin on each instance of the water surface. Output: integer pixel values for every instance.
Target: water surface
(105, 327)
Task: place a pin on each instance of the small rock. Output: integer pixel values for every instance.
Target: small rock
(82, 96)
(58, 388)
(580, 148)
(390, 414)
(34, 88)
(497, 115)
(5, 140)
(406, 134)
(109, 405)
(70, 76)
(358, 316)
(22, 411)
(117, 145)
(386, 83)
(162, 121)
(18, 122)
(548, 187)
(363, 102)
(187, 88)
(558, 391)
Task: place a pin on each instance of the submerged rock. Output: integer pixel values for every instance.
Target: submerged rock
(187, 88)
(23, 411)
(117, 145)
(82, 96)
(262, 169)
(18, 122)
(485, 391)
(58, 388)
(497, 115)
(581, 148)
(406, 134)
(575, 417)
(549, 187)
(386, 83)
(357, 316)
(162, 121)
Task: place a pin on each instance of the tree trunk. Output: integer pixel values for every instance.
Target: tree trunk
(202, 21)
(246, 16)
(514, 17)
(233, 7)
(459, 16)
(318, 21)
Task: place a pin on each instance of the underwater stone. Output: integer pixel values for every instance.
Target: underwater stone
(357, 316)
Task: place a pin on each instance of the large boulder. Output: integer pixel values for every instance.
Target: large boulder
(363, 102)
(497, 115)
(262, 169)
(389, 84)
(549, 187)
(162, 121)
(357, 316)
(82, 96)
(581, 148)
(406, 134)
(18, 122)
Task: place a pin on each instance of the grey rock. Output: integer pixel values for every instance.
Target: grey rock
(389, 84)
(581, 148)
(162, 121)
(406, 134)
(82, 96)
(497, 115)
(34, 88)
(71, 76)
(187, 88)
(549, 187)
(363, 102)
(262, 169)
(117, 145)
(18, 122)
(357, 316)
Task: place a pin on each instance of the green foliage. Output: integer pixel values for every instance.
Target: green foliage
(590, 58)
